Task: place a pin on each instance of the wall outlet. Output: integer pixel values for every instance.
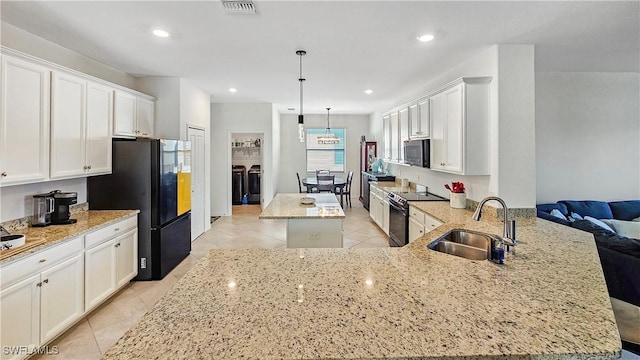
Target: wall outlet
(314, 236)
(143, 263)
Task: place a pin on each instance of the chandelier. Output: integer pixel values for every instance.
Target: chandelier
(301, 53)
(328, 137)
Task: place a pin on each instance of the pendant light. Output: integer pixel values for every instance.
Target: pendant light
(301, 53)
(328, 137)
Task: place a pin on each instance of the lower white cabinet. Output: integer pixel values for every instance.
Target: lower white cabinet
(420, 223)
(379, 208)
(38, 308)
(416, 229)
(110, 261)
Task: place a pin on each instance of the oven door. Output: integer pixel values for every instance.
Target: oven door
(398, 225)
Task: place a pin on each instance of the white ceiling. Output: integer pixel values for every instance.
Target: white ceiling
(351, 45)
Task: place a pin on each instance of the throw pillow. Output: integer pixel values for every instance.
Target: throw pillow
(630, 229)
(558, 214)
(599, 223)
(575, 216)
(636, 219)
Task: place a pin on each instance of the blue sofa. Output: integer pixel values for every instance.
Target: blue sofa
(619, 255)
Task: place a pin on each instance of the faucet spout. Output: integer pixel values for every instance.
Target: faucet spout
(506, 233)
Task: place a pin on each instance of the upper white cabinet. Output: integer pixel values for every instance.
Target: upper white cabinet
(403, 116)
(394, 135)
(419, 119)
(24, 122)
(386, 131)
(460, 120)
(398, 131)
(81, 117)
(134, 116)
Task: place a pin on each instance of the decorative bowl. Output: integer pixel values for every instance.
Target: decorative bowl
(11, 241)
(307, 200)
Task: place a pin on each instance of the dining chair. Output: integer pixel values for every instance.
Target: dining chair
(326, 183)
(300, 184)
(346, 189)
(322, 172)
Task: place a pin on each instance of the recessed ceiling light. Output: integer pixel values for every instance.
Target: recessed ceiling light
(233, 90)
(368, 91)
(425, 38)
(161, 33)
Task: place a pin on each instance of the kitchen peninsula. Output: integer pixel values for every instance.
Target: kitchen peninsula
(315, 225)
(548, 302)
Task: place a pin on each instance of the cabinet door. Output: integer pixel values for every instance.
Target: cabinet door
(20, 316)
(423, 119)
(453, 129)
(437, 109)
(62, 297)
(67, 125)
(414, 121)
(24, 122)
(385, 216)
(386, 133)
(416, 230)
(126, 257)
(124, 114)
(403, 125)
(395, 136)
(145, 117)
(372, 206)
(100, 273)
(99, 123)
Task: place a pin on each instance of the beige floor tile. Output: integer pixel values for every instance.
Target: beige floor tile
(77, 343)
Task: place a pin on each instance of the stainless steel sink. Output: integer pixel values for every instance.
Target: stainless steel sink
(468, 244)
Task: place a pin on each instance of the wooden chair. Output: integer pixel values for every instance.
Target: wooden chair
(346, 189)
(326, 183)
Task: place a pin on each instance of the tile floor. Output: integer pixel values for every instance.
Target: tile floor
(98, 331)
(93, 335)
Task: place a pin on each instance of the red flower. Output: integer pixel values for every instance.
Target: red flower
(457, 187)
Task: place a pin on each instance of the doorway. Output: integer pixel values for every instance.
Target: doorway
(246, 169)
(196, 136)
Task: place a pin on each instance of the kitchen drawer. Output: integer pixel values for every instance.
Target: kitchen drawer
(40, 261)
(430, 223)
(108, 232)
(417, 215)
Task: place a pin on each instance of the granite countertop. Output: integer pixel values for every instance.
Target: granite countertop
(87, 221)
(549, 301)
(288, 206)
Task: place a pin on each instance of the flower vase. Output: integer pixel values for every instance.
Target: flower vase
(458, 200)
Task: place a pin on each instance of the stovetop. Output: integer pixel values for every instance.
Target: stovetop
(403, 197)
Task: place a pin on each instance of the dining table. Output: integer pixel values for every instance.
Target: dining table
(311, 182)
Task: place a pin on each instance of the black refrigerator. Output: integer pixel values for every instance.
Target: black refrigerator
(154, 176)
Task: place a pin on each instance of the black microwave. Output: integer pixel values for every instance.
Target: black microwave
(416, 153)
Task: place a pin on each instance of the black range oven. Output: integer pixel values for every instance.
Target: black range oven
(399, 214)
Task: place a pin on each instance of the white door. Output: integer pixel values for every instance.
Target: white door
(196, 136)
(127, 257)
(20, 316)
(24, 122)
(124, 114)
(144, 117)
(100, 280)
(99, 123)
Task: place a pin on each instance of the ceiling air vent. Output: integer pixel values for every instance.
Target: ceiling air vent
(239, 6)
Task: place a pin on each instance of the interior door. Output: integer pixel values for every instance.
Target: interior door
(196, 136)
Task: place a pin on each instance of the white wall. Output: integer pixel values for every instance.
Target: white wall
(17, 201)
(228, 118)
(587, 136)
(293, 158)
(18, 39)
(276, 150)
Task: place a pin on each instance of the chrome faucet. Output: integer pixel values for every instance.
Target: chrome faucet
(509, 230)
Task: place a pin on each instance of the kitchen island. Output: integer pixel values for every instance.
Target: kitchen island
(316, 225)
(549, 301)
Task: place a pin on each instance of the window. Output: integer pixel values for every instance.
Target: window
(325, 156)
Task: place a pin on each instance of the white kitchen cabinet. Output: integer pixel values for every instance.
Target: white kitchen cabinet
(419, 119)
(81, 117)
(403, 124)
(386, 133)
(20, 317)
(394, 123)
(379, 208)
(111, 260)
(24, 122)
(62, 297)
(416, 230)
(145, 117)
(98, 132)
(459, 116)
(375, 208)
(420, 223)
(385, 214)
(133, 116)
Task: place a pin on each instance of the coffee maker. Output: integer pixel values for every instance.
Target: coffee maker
(43, 206)
(62, 201)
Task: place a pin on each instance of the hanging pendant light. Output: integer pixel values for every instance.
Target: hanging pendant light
(328, 137)
(301, 53)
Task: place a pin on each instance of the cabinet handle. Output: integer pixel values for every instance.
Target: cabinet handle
(89, 167)
(85, 167)
(116, 229)
(39, 284)
(145, 134)
(46, 281)
(4, 174)
(42, 260)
